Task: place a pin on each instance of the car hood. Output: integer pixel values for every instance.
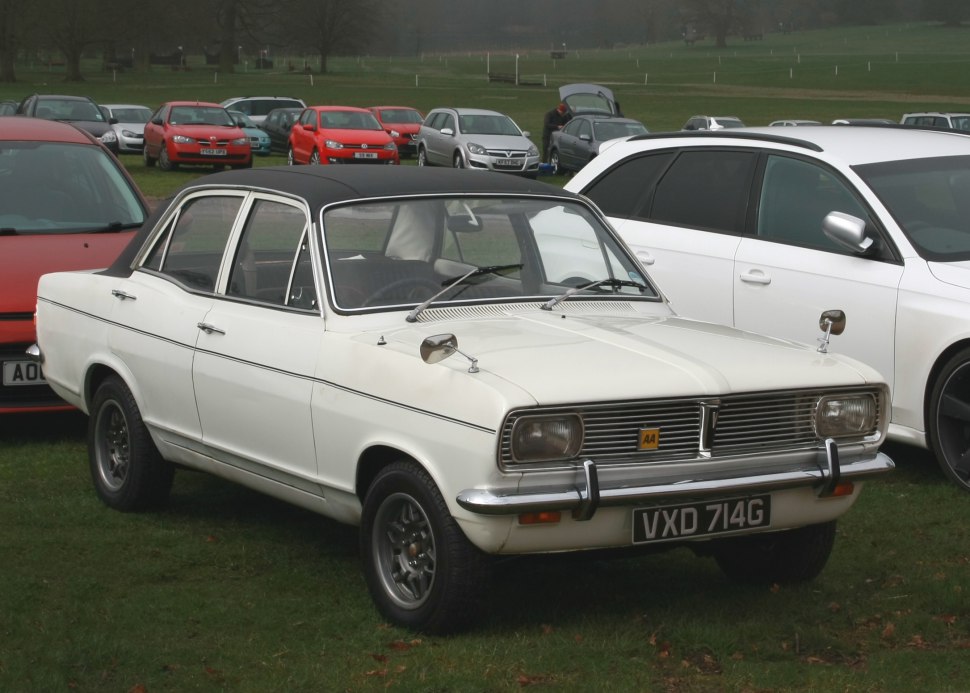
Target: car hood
(510, 142)
(24, 258)
(357, 136)
(558, 359)
(204, 132)
(403, 128)
(94, 127)
(955, 273)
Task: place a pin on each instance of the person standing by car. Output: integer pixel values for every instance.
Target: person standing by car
(554, 120)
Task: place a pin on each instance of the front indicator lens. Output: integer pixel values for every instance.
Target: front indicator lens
(840, 416)
(541, 438)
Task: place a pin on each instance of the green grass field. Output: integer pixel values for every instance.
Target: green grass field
(226, 590)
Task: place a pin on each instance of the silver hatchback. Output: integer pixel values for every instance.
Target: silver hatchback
(477, 139)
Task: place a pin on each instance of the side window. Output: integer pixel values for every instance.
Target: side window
(191, 250)
(619, 191)
(585, 129)
(795, 197)
(308, 117)
(267, 252)
(705, 189)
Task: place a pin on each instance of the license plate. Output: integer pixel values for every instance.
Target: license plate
(671, 522)
(22, 373)
(212, 152)
(506, 162)
(365, 155)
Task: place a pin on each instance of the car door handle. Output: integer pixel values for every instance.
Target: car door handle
(645, 258)
(118, 293)
(755, 277)
(209, 329)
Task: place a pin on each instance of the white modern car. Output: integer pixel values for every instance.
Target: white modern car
(477, 139)
(763, 231)
(128, 122)
(463, 365)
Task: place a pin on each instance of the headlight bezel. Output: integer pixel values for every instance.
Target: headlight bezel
(847, 416)
(547, 445)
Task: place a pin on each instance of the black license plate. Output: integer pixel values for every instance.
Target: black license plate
(691, 520)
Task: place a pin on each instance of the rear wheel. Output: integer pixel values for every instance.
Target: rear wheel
(554, 162)
(949, 419)
(421, 570)
(793, 555)
(127, 470)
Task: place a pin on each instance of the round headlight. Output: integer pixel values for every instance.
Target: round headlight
(542, 438)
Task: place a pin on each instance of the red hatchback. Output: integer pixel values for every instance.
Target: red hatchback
(402, 124)
(340, 135)
(65, 203)
(195, 132)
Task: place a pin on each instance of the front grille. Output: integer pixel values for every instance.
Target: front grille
(754, 423)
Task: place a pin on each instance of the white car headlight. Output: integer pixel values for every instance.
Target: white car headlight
(109, 136)
(540, 438)
(333, 144)
(182, 139)
(391, 146)
(130, 133)
(846, 415)
(241, 141)
(533, 151)
(477, 149)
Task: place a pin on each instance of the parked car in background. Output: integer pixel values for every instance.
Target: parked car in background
(128, 122)
(702, 122)
(871, 221)
(65, 203)
(258, 107)
(277, 125)
(579, 140)
(793, 123)
(80, 111)
(863, 121)
(402, 124)
(953, 121)
(195, 132)
(478, 139)
(259, 140)
(463, 365)
(340, 135)
(8, 108)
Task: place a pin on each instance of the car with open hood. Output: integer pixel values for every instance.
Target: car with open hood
(463, 364)
(583, 98)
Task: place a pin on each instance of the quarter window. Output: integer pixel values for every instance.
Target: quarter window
(624, 189)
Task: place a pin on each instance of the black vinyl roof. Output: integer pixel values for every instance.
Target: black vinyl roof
(320, 186)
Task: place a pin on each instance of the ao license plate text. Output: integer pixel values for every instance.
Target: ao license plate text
(22, 373)
(700, 519)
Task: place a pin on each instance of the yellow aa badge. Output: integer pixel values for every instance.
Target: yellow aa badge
(649, 438)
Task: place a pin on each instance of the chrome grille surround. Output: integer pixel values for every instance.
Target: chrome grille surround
(759, 423)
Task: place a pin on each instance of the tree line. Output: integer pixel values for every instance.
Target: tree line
(127, 33)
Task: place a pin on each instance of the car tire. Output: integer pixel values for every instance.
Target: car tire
(421, 570)
(554, 162)
(423, 157)
(949, 419)
(290, 161)
(164, 162)
(128, 472)
(149, 160)
(314, 158)
(458, 161)
(789, 556)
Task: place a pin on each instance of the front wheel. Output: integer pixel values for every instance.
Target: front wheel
(127, 470)
(793, 555)
(949, 419)
(458, 161)
(423, 157)
(149, 160)
(290, 161)
(164, 162)
(314, 158)
(421, 570)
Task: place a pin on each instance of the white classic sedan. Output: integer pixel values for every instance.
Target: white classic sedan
(763, 230)
(462, 363)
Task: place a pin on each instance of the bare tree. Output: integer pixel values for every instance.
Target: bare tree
(8, 39)
(718, 16)
(332, 26)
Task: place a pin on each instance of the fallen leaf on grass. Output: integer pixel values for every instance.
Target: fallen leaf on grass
(888, 631)
(138, 688)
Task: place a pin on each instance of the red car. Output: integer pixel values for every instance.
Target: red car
(340, 135)
(402, 124)
(195, 132)
(65, 203)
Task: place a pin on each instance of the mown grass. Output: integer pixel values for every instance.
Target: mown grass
(228, 590)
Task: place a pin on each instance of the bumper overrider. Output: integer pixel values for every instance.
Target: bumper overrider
(826, 475)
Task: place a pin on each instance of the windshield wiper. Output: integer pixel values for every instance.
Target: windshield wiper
(112, 226)
(610, 281)
(455, 281)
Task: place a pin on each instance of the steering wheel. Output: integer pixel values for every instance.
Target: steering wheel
(408, 290)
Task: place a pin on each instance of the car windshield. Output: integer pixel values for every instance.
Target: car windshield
(397, 254)
(729, 122)
(63, 188)
(401, 115)
(131, 115)
(349, 120)
(930, 200)
(242, 119)
(488, 125)
(610, 130)
(68, 109)
(200, 115)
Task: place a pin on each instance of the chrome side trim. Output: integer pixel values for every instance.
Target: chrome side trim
(577, 500)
